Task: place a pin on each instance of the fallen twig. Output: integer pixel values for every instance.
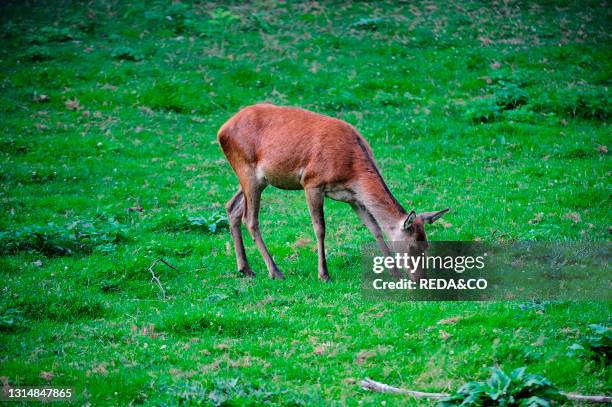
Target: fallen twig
(372, 385)
(156, 279)
(588, 399)
(369, 384)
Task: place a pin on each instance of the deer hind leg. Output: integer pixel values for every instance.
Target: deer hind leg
(252, 193)
(235, 211)
(315, 199)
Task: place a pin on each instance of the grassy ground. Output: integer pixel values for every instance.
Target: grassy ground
(109, 160)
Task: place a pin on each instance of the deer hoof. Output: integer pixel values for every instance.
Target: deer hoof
(277, 275)
(324, 277)
(247, 272)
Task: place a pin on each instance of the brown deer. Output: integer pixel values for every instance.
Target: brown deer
(292, 148)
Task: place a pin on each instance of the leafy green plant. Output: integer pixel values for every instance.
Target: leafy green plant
(36, 54)
(368, 23)
(600, 341)
(177, 17)
(516, 389)
(592, 103)
(223, 17)
(224, 392)
(587, 102)
(127, 54)
(212, 223)
(54, 240)
(522, 114)
(52, 34)
(483, 110)
(11, 319)
(232, 391)
(180, 17)
(509, 95)
(597, 345)
(538, 306)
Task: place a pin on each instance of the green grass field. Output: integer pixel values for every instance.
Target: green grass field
(109, 161)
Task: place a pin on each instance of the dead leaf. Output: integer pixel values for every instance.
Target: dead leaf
(314, 67)
(146, 110)
(444, 223)
(537, 218)
(73, 104)
(444, 335)
(244, 361)
(381, 314)
(302, 242)
(212, 366)
(265, 301)
(602, 149)
(573, 216)
(46, 375)
(41, 98)
(485, 40)
(495, 65)
(363, 356)
(100, 369)
(136, 208)
(449, 321)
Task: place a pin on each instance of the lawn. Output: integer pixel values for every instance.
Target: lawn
(109, 161)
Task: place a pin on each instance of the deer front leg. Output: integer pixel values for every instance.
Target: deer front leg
(235, 211)
(252, 194)
(315, 198)
(369, 221)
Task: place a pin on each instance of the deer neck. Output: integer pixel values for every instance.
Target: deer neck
(374, 195)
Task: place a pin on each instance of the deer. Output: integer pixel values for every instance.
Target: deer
(296, 149)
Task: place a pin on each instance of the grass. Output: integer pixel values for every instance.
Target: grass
(109, 118)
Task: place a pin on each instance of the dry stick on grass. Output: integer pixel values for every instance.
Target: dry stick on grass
(369, 384)
(156, 279)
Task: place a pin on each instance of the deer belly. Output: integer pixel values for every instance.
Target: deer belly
(280, 179)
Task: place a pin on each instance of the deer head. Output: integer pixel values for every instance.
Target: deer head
(411, 233)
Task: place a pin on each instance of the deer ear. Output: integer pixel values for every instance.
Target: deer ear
(431, 217)
(409, 220)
